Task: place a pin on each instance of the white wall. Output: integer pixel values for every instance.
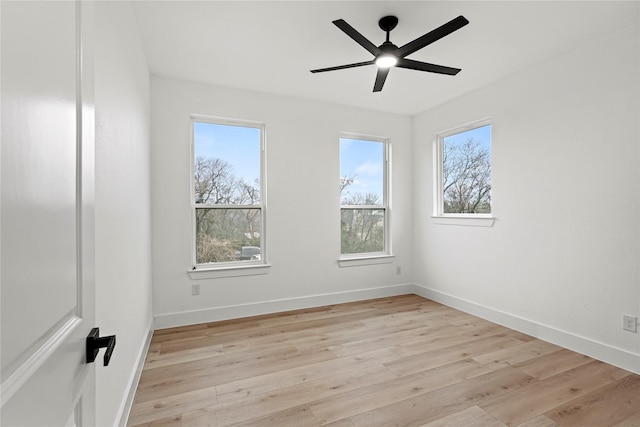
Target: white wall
(560, 262)
(123, 227)
(303, 230)
(562, 259)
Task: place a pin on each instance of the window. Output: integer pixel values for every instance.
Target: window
(463, 170)
(364, 196)
(228, 193)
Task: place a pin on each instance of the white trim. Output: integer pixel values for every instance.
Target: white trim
(386, 188)
(363, 136)
(366, 260)
(218, 120)
(25, 371)
(438, 196)
(475, 220)
(134, 379)
(234, 270)
(170, 320)
(386, 193)
(465, 127)
(262, 206)
(597, 350)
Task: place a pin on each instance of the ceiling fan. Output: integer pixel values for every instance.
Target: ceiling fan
(388, 55)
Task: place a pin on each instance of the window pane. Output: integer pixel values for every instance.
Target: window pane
(466, 171)
(226, 164)
(362, 230)
(361, 172)
(224, 235)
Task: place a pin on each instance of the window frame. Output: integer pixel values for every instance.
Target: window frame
(439, 216)
(386, 254)
(228, 268)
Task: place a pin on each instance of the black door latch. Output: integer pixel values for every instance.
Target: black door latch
(95, 343)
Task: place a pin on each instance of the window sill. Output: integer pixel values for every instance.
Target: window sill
(366, 260)
(229, 271)
(465, 220)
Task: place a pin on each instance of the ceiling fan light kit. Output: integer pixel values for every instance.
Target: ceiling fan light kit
(386, 60)
(388, 55)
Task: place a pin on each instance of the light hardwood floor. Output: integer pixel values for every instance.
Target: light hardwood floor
(399, 361)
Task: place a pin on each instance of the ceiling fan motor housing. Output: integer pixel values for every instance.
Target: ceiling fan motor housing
(388, 47)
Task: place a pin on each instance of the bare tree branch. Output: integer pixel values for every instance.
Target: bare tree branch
(466, 178)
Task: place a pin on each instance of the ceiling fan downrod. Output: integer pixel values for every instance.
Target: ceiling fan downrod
(388, 23)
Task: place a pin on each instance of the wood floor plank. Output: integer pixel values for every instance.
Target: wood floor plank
(471, 417)
(298, 416)
(539, 421)
(393, 337)
(442, 353)
(517, 353)
(427, 407)
(158, 360)
(451, 337)
(339, 423)
(366, 399)
(333, 311)
(337, 331)
(633, 421)
(171, 406)
(605, 406)
(173, 421)
(553, 363)
(403, 361)
(265, 404)
(198, 418)
(547, 394)
(157, 383)
(302, 374)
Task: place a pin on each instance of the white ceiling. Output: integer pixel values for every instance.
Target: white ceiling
(270, 46)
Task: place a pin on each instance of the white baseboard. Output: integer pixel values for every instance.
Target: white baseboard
(597, 350)
(215, 314)
(125, 407)
(600, 351)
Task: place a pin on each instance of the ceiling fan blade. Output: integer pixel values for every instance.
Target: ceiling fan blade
(355, 35)
(342, 67)
(432, 36)
(380, 78)
(425, 66)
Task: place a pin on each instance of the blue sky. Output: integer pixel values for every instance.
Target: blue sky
(365, 160)
(240, 147)
(237, 145)
(481, 135)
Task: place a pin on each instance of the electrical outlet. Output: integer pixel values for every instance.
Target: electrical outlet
(195, 289)
(629, 323)
(398, 270)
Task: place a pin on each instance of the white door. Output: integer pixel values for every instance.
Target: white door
(47, 294)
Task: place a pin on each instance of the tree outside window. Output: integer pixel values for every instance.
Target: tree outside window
(464, 171)
(363, 199)
(227, 193)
